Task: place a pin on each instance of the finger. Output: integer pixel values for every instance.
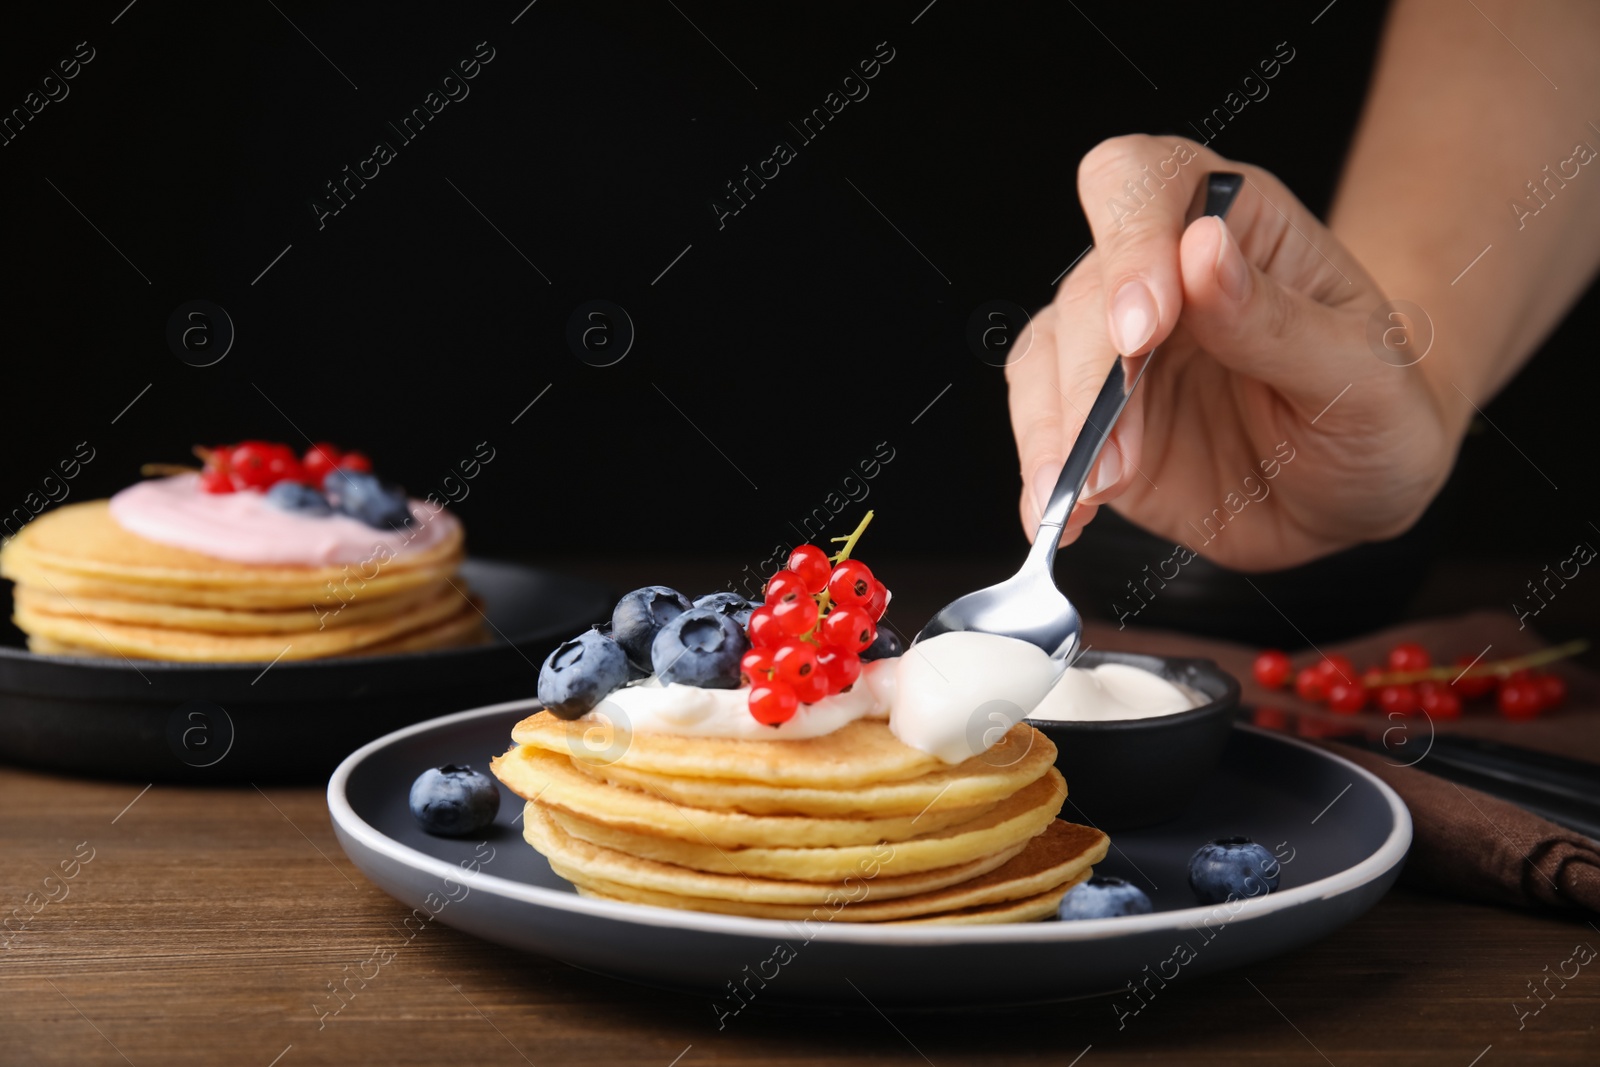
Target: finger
(1250, 323)
(1085, 358)
(1136, 191)
(1035, 402)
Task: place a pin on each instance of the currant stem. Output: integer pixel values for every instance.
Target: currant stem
(850, 540)
(1497, 667)
(824, 601)
(156, 470)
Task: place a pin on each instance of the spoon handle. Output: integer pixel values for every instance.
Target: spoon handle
(1215, 196)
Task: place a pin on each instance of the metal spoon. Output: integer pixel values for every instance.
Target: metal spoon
(1028, 606)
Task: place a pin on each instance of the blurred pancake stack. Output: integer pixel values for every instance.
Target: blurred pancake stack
(325, 584)
(850, 826)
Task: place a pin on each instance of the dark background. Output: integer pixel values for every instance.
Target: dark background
(794, 340)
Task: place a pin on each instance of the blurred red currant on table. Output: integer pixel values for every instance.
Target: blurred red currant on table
(1409, 683)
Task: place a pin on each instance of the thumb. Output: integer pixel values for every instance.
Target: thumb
(1250, 323)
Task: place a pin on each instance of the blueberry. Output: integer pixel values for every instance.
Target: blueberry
(453, 800)
(363, 497)
(1232, 868)
(640, 615)
(734, 605)
(883, 646)
(581, 673)
(700, 647)
(1103, 898)
(297, 496)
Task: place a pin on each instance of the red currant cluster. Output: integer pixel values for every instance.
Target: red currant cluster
(806, 640)
(1409, 683)
(263, 464)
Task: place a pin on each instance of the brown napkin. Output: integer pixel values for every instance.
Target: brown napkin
(1466, 843)
(1473, 845)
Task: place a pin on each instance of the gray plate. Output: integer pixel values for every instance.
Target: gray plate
(1344, 836)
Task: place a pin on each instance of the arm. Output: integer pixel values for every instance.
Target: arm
(1263, 322)
(1457, 122)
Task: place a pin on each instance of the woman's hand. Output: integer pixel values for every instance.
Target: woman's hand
(1267, 431)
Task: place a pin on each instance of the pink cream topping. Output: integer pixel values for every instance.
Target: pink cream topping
(244, 528)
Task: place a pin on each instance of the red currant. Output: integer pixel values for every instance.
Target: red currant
(812, 688)
(320, 460)
(1308, 685)
(755, 666)
(1519, 698)
(848, 630)
(1336, 668)
(1552, 690)
(794, 661)
(1272, 669)
(794, 617)
(785, 585)
(1347, 697)
(1397, 700)
(1438, 700)
(879, 602)
(850, 585)
(262, 464)
(216, 480)
(773, 702)
(355, 461)
(811, 564)
(1409, 656)
(1270, 718)
(763, 628)
(842, 669)
(1471, 687)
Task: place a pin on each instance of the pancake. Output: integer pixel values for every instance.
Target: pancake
(26, 572)
(551, 776)
(85, 542)
(216, 620)
(863, 752)
(1031, 909)
(581, 862)
(150, 642)
(1043, 871)
(1027, 910)
(965, 785)
(463, 629)
(1011, 822)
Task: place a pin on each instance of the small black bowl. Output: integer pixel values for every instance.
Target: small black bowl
(1126, 773)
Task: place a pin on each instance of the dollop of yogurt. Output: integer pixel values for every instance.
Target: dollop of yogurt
(244, 528)
(958, 693)
(650, 707)
(1111, 691)
(952, 696)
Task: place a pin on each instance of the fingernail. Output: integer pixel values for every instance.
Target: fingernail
(1106, 473)
(1044, 483)
(1233, 274)
(1133, 317)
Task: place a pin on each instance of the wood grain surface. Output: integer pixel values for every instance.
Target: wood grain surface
(206, 926)
(180, 925)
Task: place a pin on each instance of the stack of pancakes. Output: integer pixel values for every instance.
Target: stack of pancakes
(86, 586)
(852, 826)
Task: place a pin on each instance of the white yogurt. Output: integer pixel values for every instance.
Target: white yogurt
(650, 707)
(952, 696)
(960, 692)
(1111, 691)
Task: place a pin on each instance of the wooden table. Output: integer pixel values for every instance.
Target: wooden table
(207, 926)
(209, 922)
